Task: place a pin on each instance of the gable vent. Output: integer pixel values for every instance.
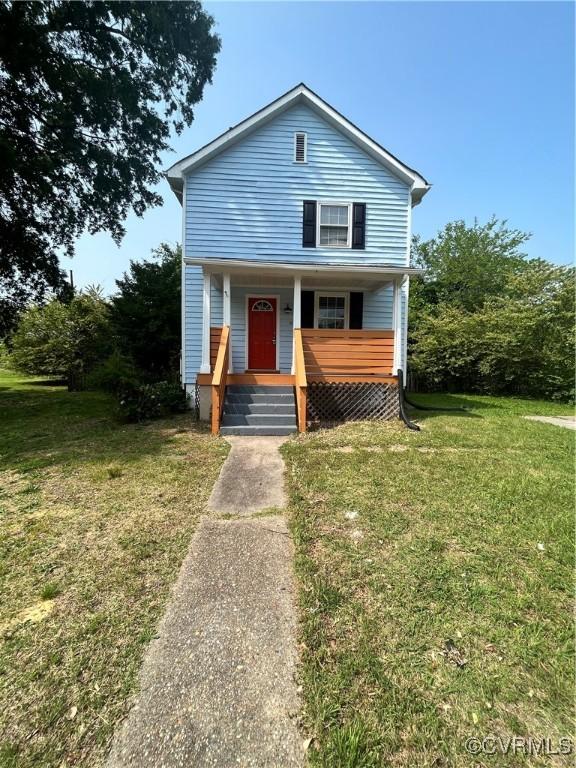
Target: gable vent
(300, 147)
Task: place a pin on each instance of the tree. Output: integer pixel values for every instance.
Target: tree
(486, 319)
(146, 312)
(463, 266)
(89, 93)
(63, 340)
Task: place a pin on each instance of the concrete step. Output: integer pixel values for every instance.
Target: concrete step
(256, 397)
(258, 420)
(256, 431)
(264, 389)
(263, 408)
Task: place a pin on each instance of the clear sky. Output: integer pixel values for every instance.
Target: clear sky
(478, 97)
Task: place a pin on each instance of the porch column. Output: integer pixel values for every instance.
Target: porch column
(226, 314)
(296, 314)
(397, 326)
(205, 366)
(404, 348)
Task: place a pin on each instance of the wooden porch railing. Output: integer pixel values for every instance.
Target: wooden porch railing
(219, 377)
(336, 355)
(215, 333)
(300, 382)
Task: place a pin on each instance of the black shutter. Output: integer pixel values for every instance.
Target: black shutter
(309, 224)
(358, 225)
(307, 309)
(356, 310)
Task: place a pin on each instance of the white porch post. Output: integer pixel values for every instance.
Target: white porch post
(205, 366)
(397, 327)
(226, 314)
(226, 298)
(404, 348)
(296, 314)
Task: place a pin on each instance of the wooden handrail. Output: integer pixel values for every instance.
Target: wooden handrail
(300, 380)
(219, 378)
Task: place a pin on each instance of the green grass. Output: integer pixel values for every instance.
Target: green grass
(435, 585)
(95, 519)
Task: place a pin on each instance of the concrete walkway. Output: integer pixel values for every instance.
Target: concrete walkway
(218, 686)
(569, 422)
(252, 478)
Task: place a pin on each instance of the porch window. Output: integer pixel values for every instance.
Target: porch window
(334, 225)
(331, 310)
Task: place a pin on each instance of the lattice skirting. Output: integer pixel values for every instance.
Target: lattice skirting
(337, 402)
(196, 402)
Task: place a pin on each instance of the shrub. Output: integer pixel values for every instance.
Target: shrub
(117, 372)
(141, 402)
(63, 340)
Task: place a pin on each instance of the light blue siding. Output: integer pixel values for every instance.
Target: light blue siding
(378, 308)
(246, 203)
(192, 343)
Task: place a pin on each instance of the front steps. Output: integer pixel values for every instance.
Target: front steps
(258, 410)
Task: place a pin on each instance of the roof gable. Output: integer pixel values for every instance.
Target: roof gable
(299, 94)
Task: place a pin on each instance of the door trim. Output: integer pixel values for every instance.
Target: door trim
(247, 328)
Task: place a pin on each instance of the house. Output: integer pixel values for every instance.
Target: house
(296, 241)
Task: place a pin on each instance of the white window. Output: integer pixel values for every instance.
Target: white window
(334, 225)
(300, 148)
(331, 310)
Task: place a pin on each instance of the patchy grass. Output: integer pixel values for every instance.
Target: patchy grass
(435, 585)
(95, 520)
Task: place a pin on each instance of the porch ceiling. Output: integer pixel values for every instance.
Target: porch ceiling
(362, 277)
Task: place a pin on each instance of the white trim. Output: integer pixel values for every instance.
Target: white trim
(206, 290)
(296, 134)
(296, 315)
(246, 325)
(396, 325)
(408, 235)
(294, 268)
(404, 350)
(183, 291)
(344, 294)
(341, 204)
(226, 313)
(419, 185)
(226, 298)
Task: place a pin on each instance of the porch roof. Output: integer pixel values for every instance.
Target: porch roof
(310, 274)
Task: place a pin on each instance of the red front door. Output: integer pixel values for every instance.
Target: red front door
(262, 333)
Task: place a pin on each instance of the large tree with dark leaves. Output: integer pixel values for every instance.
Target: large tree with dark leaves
(146, 313)
(89, 93)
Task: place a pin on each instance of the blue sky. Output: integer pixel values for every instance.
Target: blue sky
(479, 97)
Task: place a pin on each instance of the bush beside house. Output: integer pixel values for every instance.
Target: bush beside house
(128, 345)
(483, 318)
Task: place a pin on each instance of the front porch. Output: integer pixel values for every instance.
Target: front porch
(336, 371)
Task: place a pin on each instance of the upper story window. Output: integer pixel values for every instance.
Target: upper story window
(334, 225)
(300, 148)
(331, 224)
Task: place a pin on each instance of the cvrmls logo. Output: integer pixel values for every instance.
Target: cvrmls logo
(519, 745)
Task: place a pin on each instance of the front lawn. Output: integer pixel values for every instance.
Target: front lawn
(95, 520)
(435, 585)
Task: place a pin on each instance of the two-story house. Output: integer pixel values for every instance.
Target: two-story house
(296, 242)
